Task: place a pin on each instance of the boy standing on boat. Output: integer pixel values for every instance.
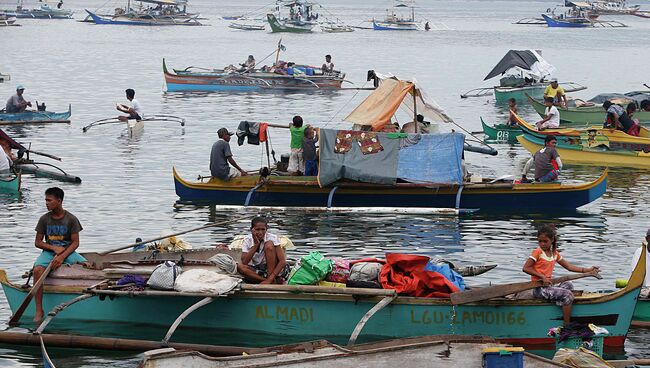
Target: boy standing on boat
(539, 266)
(220, 157)
(17, 103)
(57, 234)
(556, 93)
(547, 162)
(135, 111)
(296, 161)
(262, 260)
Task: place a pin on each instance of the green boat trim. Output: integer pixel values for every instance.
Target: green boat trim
(277, 26)
(501, 132)
(588, 115)
(274, 313)
(642, 311)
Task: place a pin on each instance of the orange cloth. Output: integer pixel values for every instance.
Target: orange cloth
(543, 263)
(262, 134)
(405, 274)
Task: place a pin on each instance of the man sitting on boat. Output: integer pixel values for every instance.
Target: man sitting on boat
(422, 126)
(17, 102)
(556, 92)
(135, 111)
(57, 234)
(551, 118)
(328, 65)
(617, 117)
(220, 157)
(262, 260)
(547, 162)
(248, 65)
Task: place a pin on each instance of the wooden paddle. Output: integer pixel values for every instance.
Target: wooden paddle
(496, 291)
(170, 235)
(37, 285)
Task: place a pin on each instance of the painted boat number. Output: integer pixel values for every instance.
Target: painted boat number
(503, 135)
(466, 318)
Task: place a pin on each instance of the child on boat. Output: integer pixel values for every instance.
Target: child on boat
(539, 266)
(262, 260)
(296, 162)
(512, 105)
(309, 154)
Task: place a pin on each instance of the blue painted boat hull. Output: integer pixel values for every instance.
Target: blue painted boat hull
(563, 24)
(380, 27)
(35, 117)
(542, 197)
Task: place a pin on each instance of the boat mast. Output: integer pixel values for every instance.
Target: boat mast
(415, 109)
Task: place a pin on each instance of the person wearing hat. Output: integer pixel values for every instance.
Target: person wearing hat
(220, 157)
(17, 103)
(556, 92)
(635, 259)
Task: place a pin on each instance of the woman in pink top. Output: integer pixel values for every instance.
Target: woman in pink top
(540, 266)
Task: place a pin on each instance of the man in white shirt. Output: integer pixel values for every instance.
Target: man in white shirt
(637, 255)
(262, 260)
(135, 111)
(552, 116)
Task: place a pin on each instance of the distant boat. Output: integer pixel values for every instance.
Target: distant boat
(45, 11)
(613, 7)
(165, 13)
(4, 77)
(567, 22)
(6, 20)
(398, 20)
(301, 18)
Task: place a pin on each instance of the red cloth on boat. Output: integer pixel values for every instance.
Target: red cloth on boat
(405, 274)
(262, 134)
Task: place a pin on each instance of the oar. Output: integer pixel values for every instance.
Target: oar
(170, 235)
(37, 285)
(496, 291)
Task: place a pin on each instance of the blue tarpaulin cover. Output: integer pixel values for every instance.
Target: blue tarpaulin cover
(436, 158)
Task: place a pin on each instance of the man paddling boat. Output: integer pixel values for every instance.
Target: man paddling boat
(57, 234)
(135, 111)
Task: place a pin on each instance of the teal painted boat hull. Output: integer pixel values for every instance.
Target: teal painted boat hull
(501, 133)
(642, 310)
(35, 117)
(594, 115)
(503, 94)
(268, 317)
(10, 185)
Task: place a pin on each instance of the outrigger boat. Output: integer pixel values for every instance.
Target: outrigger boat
(301, 18)
(502, 133)
(40, 169)
(442, 186)
(585, 115)
(399, 22)
(45, 11)
(296, 78)
(300, 312)
(591, 146)
(525, 73)
(166, 13)
(35, 117)
(579, 22)
(133, 126)
(6, 21)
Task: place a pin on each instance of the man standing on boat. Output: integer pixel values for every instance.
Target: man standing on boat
(546, 161)
(17, 103)
(220, 157)
(556, 92)
(57, 234)
(135, 111)
(328, 65)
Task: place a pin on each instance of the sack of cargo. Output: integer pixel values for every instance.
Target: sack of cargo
(340, 270)
(310, 269)
(164, 276)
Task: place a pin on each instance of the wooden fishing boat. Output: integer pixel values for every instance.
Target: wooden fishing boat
(10, 183)
(583, 115)
(45, 11)
(288, 26)
(4, 78)
(394, 21)
(333, 27)
(641, 14)
(5, 21)
(428, 351)
(591, 146)
(642, 312)
(568, 22)
(35, 117)
(145, 20)
(247, 26)
(304, 192)
(191, 79)
(298, 312)
(501, 132)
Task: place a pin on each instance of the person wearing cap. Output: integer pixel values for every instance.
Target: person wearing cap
(556, 92)
(635, 259)
(220, 157)
(17, 103)
(135, 111)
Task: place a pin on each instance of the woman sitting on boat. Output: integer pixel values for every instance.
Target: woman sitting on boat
(539, 266)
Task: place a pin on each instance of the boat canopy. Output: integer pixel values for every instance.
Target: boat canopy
(380, 106)
(528, 62)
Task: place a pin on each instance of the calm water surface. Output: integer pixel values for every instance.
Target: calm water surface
(127, 188)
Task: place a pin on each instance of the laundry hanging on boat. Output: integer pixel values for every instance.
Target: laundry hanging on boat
(248, 130)
(406, 274)
(383, 158)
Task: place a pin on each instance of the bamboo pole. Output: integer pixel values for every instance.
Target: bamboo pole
(105, 343)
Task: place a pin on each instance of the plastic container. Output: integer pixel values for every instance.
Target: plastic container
(309, 71)
(503, 357)
(577, 341)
